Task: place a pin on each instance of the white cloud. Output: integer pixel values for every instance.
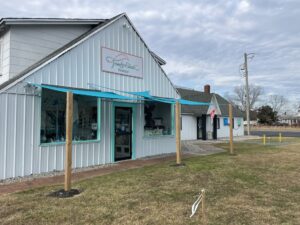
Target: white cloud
(243, 6)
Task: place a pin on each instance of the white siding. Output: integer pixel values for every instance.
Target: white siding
(20, 151)
(223, 132)
(30, 43)
(189, 127)
(5, 42)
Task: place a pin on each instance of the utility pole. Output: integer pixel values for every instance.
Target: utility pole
(247, 93)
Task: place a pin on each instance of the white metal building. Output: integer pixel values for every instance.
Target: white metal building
(197, 122)
(98, 55)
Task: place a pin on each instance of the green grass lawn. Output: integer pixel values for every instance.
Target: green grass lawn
(260, 185)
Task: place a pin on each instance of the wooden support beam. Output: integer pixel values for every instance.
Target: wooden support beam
(280, 137)
(230, 129)
(69, 128)
(178, 130)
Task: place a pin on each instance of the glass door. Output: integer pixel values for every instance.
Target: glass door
(123, 133)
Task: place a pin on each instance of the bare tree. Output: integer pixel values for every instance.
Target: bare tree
(239, 96)
(277, 102)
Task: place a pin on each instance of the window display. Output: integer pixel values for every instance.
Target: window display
(158, 119)
(53, 117)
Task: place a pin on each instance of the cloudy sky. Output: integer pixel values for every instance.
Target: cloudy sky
(203, 41)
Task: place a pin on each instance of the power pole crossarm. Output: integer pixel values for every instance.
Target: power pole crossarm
(247, 94)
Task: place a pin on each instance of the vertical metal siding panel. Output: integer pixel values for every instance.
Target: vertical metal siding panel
(86, 64)
(28, 135)
(74, 156)
(84, 156)
(19, 145)
(100, 73)
(90, 148)
(3, 136)
(96, 153)
(106, 75)
(36, 135)
(78, 156)
(97, 61)
(50, 73)
(88, 155)
(59, 157)
(43, 160)
(103, 130)
(10, 135)
(51, 159)
(73, 75)
(91, 62)
(107, 134)
(60, 71)
(67, 66)
(14, 139)
(79, 66)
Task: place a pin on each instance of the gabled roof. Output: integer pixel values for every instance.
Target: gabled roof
(223, 104)
(199, 96)
(72, 44)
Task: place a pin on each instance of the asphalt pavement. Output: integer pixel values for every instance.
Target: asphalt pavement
(276, 133)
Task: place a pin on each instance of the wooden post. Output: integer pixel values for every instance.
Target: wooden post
(69, 128)
(230, 129)
(264, 139)
(178, 130)
(280, 138)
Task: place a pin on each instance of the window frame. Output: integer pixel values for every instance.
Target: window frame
(99, 107)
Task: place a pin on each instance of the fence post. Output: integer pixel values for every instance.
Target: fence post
(69, 127)
(178, 130)
(264, 139)
(230, 129)
(280, 138)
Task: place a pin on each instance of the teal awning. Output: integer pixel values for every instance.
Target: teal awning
(93, 93)
(146, 95)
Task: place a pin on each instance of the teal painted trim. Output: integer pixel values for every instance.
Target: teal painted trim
(133, 107)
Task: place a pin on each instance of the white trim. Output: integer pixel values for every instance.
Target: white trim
(61, 53)
(54, 21)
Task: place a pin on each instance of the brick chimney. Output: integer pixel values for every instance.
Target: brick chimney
(207, 88)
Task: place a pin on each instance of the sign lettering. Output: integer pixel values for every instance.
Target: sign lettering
(121, 63)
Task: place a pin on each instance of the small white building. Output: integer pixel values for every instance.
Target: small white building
(41, 59)
(198, 122)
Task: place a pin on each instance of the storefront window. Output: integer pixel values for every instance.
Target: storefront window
(53, 117)
(158, 119)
